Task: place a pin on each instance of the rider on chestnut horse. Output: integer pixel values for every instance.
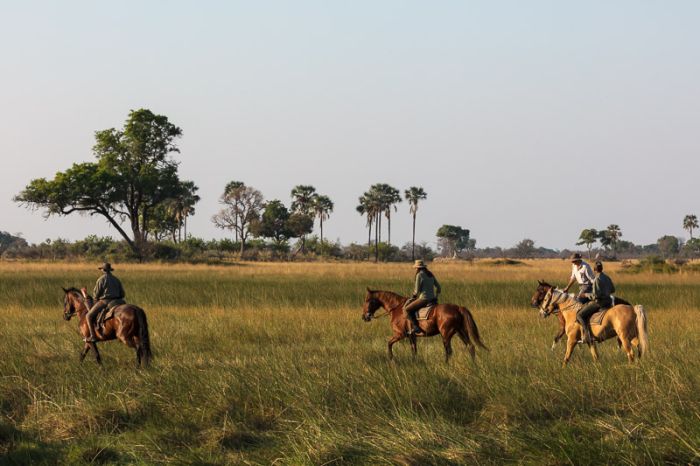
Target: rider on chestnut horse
(425, 292)
(108, 293)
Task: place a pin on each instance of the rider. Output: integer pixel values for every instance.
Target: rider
(107, 290)
(601, 298)
(425, 292)
(581, 272)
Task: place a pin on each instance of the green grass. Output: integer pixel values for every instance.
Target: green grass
(257, 364)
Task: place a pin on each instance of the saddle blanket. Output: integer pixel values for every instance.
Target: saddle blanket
(597, 318)
(424, 312)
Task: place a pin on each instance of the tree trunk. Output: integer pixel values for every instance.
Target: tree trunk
(242, 245)
(377, 236)
(388, 221)
(321, 225)
(185, 225)
(413, 251)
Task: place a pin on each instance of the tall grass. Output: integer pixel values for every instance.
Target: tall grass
(263, 363)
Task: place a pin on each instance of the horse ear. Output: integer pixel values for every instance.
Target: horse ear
(540, 282)
(64, 290)
(368, 290)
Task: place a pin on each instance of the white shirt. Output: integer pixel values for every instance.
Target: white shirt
(583, 273)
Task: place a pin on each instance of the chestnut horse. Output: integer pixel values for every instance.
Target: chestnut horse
(445, 319)
(129, 325)
(627, 323)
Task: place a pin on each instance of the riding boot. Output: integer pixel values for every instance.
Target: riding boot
(91, 327)
(416, 326)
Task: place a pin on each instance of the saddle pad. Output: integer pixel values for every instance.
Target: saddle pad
(105, 315)
(424, 312)
(597, 318)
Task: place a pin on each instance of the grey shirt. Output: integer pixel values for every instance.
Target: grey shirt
(108, 287)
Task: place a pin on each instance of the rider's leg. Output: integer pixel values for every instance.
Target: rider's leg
(92, 316)
(411, 311)
(583, 318)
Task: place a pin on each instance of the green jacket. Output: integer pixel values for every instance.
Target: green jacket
(108, 287)
(426, 286)
(602, 288)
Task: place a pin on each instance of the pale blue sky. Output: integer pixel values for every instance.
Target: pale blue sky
(521, 119)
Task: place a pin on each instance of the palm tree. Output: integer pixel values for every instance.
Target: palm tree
(390, 197)
(612, 235)
(303, 203)
(303, 199)
(371, 206)
(323, 206)
(413, 195)
(690, 222)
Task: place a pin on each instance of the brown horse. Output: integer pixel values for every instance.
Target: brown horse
(129, 325)
(627, 323)
(445, 319)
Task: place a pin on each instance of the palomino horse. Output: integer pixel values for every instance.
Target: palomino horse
(445, 319)
(628, 323)
(129, 325)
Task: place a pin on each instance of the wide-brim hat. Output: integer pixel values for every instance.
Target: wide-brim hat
(576, 257)
(419, 264)
(107, 267)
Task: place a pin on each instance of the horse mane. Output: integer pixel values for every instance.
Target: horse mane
(388, 296)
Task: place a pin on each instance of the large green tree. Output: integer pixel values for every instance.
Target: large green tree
(452, 239)
(588, 237)
(413, 196)
(133, 175)
(273, 223)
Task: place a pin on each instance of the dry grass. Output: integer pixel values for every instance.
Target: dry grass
(263, 363)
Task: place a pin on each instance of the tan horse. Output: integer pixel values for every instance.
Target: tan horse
(129, 325)
(446, 320)
(628, 323)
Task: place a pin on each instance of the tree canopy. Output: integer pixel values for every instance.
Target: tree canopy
(133, 177)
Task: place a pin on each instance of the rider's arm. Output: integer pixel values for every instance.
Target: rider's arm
(122, 294)
(438, 290)
(99, 288)
(419, 282)
(571, 282)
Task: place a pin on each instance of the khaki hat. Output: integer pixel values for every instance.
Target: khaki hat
(419, 264)
(107, 267)
(576, 257)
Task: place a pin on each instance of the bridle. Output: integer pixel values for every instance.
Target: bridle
(72, 308)
(547, 306)
(370, 314)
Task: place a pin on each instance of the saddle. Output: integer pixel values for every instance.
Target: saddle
(107, 313)
(425, 312)
(597, 318)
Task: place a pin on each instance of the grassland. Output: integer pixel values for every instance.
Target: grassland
(271, 363)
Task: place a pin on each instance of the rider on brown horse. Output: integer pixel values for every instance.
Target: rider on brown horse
(601, 298)
(108, 293)
(425, 292)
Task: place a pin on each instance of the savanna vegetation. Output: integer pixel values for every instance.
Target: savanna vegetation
(260, 363)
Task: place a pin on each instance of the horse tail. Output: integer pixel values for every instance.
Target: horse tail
(470, 327)
(642, 329)
(143, 335)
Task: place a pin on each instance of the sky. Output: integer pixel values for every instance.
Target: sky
(520, 119)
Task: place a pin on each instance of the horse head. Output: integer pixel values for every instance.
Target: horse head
(542, 299)
(371, 305)
(72, 301)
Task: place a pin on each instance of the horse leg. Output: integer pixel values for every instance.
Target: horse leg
(414, 346)
(635, 343)
(627, 348)
(465, 338)
(393, 340)
(570, 345)
(560, 333)
(594, 351)
(98, 358)
(84, 352)
(447, 342)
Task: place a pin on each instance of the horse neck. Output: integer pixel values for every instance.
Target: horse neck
(80, 306)
(567, 304)
(389, 300)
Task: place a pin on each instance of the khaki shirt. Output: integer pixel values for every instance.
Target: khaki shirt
(425, 286)
(108, 287)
